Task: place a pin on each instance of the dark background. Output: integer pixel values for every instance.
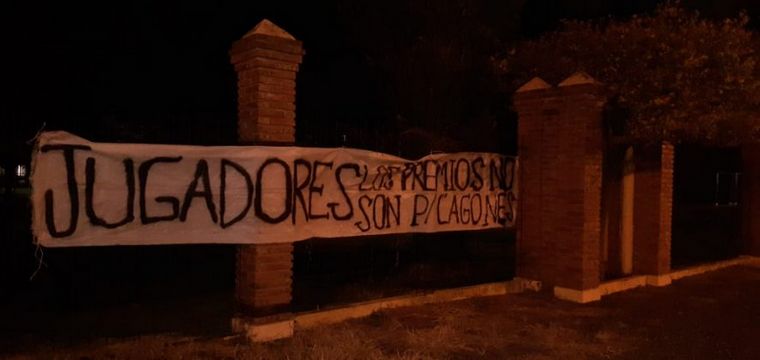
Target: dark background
(375, 75)
(158, 71)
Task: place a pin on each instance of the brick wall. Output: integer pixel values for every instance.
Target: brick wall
(653, 208)
(750, 199)
(612, 179)
(264, 278)
(266, 60)
(560, 149)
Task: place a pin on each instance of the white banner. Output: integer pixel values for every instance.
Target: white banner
(89, 194)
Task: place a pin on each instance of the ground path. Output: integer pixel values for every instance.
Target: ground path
(710, 316)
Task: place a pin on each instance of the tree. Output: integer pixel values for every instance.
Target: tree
(432, 63)
(674, 75)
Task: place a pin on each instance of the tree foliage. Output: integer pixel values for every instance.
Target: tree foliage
(678, 77)
(432, 62)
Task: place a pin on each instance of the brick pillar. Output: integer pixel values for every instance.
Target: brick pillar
(653, 209)
(560, 150)
(750, 199)
(266, 60)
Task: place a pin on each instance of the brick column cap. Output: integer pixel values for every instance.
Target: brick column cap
(581, 85)
(578, 84)
(533, 84)
(266, 27)
(269, 41)
(578, 78)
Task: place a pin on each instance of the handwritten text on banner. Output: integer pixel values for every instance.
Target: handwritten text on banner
(89, 194)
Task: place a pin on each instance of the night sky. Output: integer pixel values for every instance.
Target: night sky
(158, 71)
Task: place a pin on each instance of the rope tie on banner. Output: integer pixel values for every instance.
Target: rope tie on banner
(38, 253)
(33, 140)
(40, 256)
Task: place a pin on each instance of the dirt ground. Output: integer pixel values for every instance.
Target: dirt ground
(711, 316)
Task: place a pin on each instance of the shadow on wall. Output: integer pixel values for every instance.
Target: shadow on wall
(117, 291)
(335, 271)
(706, 222)
(131, 290)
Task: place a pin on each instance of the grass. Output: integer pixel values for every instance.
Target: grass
(497, 327)
(711, 316)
